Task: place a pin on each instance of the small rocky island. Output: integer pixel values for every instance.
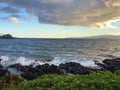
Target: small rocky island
(6, 36)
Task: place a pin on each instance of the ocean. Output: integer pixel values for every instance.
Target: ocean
(56, 51)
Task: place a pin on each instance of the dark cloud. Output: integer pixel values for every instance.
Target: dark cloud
(93, 13)
(9, 9)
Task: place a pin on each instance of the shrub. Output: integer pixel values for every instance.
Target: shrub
(93, 81)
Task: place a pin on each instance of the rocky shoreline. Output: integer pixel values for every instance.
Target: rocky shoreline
(31, 72)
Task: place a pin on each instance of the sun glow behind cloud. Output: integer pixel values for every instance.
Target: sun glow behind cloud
(14, 20)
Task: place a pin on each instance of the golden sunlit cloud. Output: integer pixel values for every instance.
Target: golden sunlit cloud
(14, 20)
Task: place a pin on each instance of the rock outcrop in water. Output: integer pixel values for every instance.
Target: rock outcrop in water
(6, 36)
(30, 72)
(110, 65)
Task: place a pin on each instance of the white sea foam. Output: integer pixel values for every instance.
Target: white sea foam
(82, 60)
(57, 61)
(6, 61)
(24, 61)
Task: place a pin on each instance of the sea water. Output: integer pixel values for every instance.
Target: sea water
(57, 51)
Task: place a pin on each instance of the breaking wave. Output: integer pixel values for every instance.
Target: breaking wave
(8, 60)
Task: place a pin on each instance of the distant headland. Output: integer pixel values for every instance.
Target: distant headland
(6, 36)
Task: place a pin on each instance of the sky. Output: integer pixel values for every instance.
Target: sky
(59, 18)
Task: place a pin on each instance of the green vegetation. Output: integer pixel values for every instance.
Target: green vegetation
(93, 81)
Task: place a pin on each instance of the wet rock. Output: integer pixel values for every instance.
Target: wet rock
(27, 72)
(112, 64)
(75, 68)
(48, 69)
(0, 59)
(3, 72)
(100, 65)
(32, 72)
(48, 60)
(29, 75)
(54, 69)
(1, 66)
(1, 63)
(16, 66)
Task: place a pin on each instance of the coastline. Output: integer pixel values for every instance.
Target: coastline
(68, 76)
(31, 72)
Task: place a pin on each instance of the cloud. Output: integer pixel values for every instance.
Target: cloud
(9, 9)
(14, 20)
(88, 13)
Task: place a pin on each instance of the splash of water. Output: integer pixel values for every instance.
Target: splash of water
(6, 61)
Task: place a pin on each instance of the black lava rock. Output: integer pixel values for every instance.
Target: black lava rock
(3, 72)
(111, 64)
(75, 68)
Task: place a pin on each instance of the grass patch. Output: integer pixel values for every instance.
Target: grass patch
(93, 81)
